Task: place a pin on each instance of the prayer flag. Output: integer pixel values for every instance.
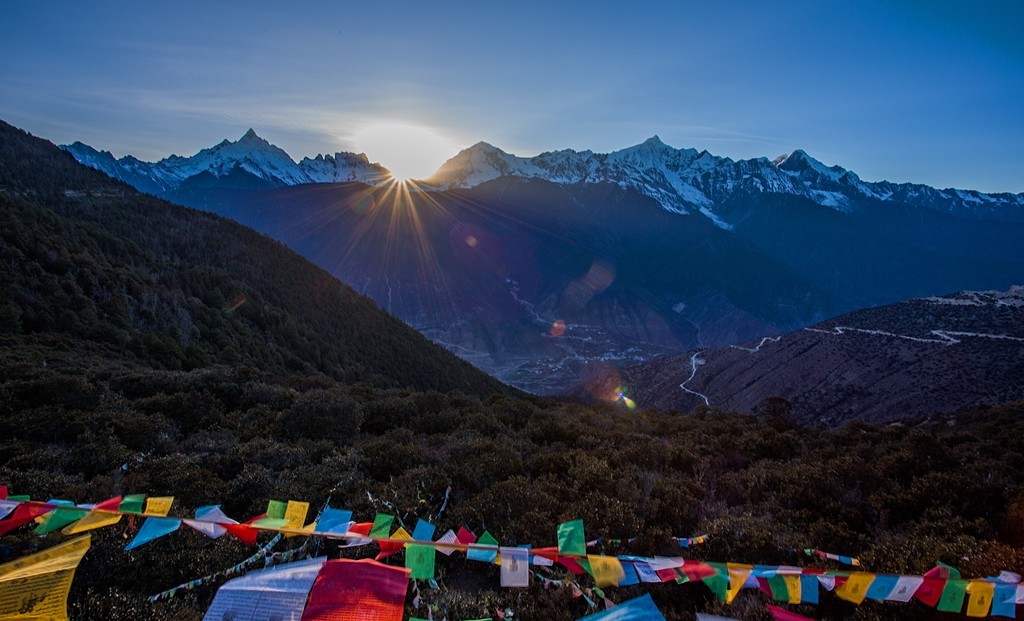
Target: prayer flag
(856, 587)
(276, 509)
(419, 559)
(159, 506)
(571, 541)
(718, 581)
(738, 575)
(882, 587)
(110, 504)
(36, 586)
(629, 576)
(484, 555)
(606, 570)
(637, 609)
(92, 520)
(59, 518)
(449, 537)
(295, 512)
(23, 514)
(930, 590)
(982, 592)
(278, 592)
(646, 573)
(424, 531)
(131, 503)
(1003, 604)
(952, 599)
(515, 567)
(6, 507)
(381, 526)
(334, 521)
(243, 532)
(394, 544)
(153, 528)
(809, 589)
(347, 590)
(466, 536)
(906, 587)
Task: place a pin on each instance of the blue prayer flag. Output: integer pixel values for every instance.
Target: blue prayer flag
(424, 531)
(882, 587)
(334, 521)
(153, 528)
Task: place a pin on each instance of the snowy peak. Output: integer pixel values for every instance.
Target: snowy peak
(684, 181)
(249, 155)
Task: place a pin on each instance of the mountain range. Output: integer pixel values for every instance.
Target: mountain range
(535, 268)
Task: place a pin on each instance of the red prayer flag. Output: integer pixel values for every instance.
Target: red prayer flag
(362, 528)
(25, 513)
(111, 504)
(781, 614)
(930, 591)
(668, 574)
(246, 534)
(363, 590)
(698, 571)
(3, 492)
(465, 536)
(762, 583)
(388, 548)
(571, 564)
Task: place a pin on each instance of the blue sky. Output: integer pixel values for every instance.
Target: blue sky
(927, 92)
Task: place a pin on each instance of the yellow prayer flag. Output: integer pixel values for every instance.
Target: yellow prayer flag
(400, 535)
(607, 570)
(856, 587)
(36, 587)
(159, 506)
(295, 513)
(738, 575)
(793, 587)
(93, 519)
(982, 592)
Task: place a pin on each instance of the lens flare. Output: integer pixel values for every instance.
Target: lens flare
(622, 396)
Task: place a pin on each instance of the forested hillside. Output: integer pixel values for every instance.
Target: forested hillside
(90, 267)
(156, 350)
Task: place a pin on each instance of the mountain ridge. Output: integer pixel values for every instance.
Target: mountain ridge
(912, 359)
(684, 181)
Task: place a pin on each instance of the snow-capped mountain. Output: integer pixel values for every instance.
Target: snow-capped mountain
(688, 181)
(683, 181)
(250, 155)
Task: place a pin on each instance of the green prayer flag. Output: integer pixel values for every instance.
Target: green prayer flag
(719, 582)
(382, 526)
(59, 518)
(420, 559)
(276, 509)
(571, 541)
(952, 599)
(132, 503)
(780, 590)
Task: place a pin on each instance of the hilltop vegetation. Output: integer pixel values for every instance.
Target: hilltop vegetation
(127, 365)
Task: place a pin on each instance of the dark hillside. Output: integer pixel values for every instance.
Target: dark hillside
(93, 265)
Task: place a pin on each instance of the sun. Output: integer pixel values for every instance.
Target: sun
(408, 151)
